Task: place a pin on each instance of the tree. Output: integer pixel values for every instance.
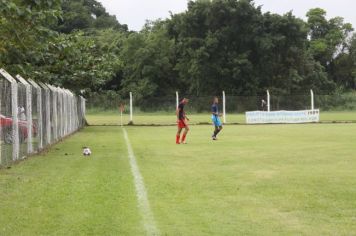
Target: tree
(148, 57)
(24, 37)
(328, 38)
(86, 14)
(77, 62)
(215, 45)
(31, 47)
(344, 65)
(230, 45)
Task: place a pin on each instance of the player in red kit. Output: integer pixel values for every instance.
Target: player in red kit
(182, 121)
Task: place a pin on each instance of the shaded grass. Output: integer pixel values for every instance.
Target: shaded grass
(63, 193)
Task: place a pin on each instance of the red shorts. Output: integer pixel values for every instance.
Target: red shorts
(182, 124)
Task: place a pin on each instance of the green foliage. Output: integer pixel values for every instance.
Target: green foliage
(148, 58)
(215, 45)
(86, 14)
(67, 194)
(31, 46)
(329, 45)
(76, 61)
(232, 46)
(24, 32)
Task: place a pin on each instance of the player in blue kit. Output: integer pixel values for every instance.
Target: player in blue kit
(216, 117)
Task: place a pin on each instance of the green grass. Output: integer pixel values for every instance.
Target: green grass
(62, 193)
(338, 116)
(113, 118)
(256, 180)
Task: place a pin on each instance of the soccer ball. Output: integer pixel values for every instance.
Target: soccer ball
(86, 151)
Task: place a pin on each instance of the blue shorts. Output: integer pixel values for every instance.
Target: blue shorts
(216, 120)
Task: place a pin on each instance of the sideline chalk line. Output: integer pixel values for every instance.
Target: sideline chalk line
(143, 203)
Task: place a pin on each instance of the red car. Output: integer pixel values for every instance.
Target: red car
(6, 129)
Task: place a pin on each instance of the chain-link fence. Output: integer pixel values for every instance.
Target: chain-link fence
(104, 109)
(34, 116)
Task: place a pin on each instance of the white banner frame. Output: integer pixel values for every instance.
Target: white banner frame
(283, 117)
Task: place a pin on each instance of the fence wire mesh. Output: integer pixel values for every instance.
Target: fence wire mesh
(6, 118)
(34, 116)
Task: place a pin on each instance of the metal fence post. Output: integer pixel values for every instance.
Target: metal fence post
(268, 101)
(14, 113)
(28, 113)
(39, 112)
(53, 103)
(47, 117)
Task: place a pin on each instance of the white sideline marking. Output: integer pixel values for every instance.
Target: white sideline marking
(141, 193)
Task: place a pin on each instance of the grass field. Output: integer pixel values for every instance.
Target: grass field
(256, 180)
(113, 118)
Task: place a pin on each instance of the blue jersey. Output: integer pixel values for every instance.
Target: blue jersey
(215, 116)
(215, 109)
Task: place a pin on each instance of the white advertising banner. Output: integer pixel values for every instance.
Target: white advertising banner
(282, 117)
